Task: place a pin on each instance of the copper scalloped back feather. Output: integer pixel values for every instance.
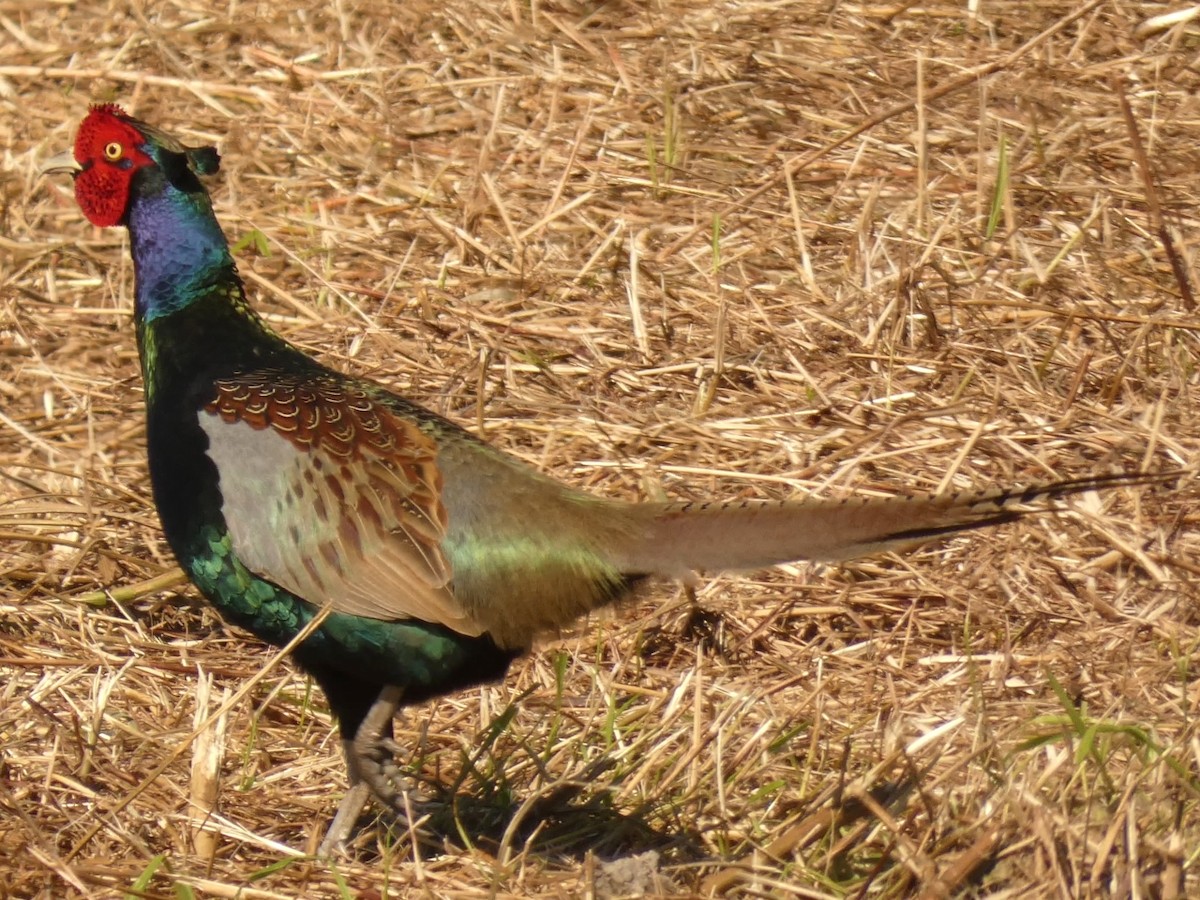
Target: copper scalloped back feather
(315, 412)
(331, 495)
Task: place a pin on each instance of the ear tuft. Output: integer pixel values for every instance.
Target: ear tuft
(203, 160)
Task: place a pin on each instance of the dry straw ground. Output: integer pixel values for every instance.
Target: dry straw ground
(740, 249)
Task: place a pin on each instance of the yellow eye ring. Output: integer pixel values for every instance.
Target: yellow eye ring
(113, 151)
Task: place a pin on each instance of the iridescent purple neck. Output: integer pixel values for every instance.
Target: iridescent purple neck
(178, 249)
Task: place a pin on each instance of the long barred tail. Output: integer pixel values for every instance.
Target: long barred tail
(681, 538)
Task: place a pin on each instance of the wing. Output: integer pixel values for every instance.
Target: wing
(329, 494)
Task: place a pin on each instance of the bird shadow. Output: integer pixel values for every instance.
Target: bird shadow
(564, 823)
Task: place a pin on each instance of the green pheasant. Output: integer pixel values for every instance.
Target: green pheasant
(289, 492)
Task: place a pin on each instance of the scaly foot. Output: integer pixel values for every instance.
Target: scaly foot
(371, 763)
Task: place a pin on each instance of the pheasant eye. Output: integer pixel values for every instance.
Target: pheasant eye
(113, 151)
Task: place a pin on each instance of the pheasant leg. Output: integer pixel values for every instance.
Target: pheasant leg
(371, 767)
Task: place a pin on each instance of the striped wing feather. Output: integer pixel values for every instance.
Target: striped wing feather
(332, 496)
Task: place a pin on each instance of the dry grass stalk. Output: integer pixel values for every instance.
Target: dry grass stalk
(751, 249)
(208, 754)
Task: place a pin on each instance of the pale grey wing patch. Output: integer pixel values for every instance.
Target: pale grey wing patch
(331, 530)
(253, 466)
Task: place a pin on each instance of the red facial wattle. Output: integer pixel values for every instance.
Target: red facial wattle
(108, 149)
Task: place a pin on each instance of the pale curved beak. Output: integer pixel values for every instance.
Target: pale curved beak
(59, 163)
